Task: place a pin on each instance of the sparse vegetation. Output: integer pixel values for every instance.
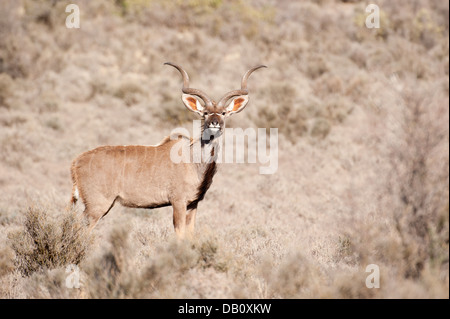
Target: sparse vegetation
(44, 243)
(363, 173)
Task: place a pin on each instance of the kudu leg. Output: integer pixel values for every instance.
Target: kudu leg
(190, 221)
(179, 218)
(94, 212)
(93, 216)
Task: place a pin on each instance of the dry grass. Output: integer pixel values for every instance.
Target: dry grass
(46, 244)
(363, 172)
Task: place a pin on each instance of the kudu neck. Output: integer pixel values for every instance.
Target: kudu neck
(208, 148)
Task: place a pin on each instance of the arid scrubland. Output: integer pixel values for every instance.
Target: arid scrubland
(363, 169)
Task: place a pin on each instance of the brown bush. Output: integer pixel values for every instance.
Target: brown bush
(47, 243)
(114, 274)
(422, 213)
(6, 260)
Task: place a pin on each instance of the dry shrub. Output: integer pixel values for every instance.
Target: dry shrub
(26, 48)
(172, 112)
(337, 108)
(14, 60)
(320, 128)
(49, 102)
(362, 34)
(296, 277)
(421, 22)
(345, 251)
(283, 111)
(212, 255)
(315, 66)
(221, 18)
(130, 91)
(6, 89)
(421, 215)
(42, 11)
(114, 274)
(110, 275)
(424, 22)
(408, 237)
(328, 85)
(296, 116)
(46, 243)
(350, 285)
(6, 260)
(358, 55)
(16, 150)
(50, 284)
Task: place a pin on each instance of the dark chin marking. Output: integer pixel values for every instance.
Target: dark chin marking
(208, 136)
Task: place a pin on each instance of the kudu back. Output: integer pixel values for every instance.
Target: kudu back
(146, 177)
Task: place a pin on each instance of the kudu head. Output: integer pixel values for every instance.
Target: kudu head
(214, 114)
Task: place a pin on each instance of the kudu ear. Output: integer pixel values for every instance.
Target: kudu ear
(237, 104)
(192, 103)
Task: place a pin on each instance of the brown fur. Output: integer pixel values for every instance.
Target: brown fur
(204, 185)
(140, 177)
(145, 176)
